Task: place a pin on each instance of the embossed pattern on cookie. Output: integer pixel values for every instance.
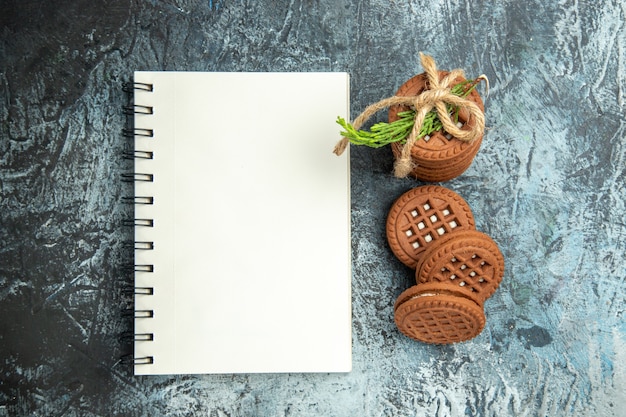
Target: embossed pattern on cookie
(468, 261)
(431, 315)
(422, 216)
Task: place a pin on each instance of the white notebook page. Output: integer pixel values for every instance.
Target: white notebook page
(251, 223)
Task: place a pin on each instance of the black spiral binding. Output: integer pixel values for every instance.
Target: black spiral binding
(138, 109)
(131, 87)
(139, 222)
(138, 154)
(138, 199)
(131, 153)
(131, 133)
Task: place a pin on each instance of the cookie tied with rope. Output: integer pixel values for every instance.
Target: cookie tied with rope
(438, 97)
(438, 156)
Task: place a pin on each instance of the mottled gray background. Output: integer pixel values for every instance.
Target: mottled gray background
(548, 185)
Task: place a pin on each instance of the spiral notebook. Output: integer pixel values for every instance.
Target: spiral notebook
(242, 223)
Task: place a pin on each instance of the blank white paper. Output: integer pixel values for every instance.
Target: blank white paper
(251, 223)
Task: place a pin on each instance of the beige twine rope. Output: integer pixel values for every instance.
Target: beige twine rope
(437, 96)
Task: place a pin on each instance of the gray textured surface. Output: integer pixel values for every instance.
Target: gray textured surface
(548, 185)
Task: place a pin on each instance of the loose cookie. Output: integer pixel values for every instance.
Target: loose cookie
(468, 261)
(423, 215)
(430, 313)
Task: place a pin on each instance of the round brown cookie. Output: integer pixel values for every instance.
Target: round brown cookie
(437, 141)
(440, 174)
(455, 165)
(433, 315)
(468, 261)
(423, 215)
(439, 150)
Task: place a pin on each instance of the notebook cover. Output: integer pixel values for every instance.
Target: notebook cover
(251, 209)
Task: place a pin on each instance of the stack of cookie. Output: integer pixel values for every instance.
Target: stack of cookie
(438, 157)
(431, 229)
